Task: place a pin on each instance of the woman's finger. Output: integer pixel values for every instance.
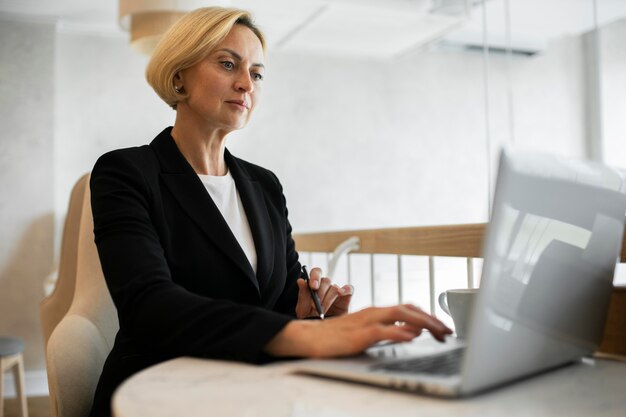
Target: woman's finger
(436, 326)
(331, 295)
(347, 290)
(315, 277)
(342, 303)
(304, 303)
(325, 285)
(412, 316)
(410, 328)
(388, 333)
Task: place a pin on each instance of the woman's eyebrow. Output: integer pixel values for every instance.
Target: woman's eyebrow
(238, 57)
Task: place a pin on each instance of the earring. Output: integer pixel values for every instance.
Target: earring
(178, 89)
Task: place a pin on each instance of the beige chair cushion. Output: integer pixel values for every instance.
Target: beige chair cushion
(80, 343)
(56, 305)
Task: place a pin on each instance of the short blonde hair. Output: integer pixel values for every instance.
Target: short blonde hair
(188, 42)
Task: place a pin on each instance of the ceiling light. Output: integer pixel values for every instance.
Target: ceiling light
(147, 20)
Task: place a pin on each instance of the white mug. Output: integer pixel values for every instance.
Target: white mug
(458, 304)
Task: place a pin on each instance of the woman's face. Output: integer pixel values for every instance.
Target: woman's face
(224, 87)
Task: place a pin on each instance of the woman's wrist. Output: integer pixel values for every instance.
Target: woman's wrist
(293, 340)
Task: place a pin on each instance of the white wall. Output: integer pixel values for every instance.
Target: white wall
(101, 103)
(613, 58)
(371, 144)
(26, 186)
(356, 143)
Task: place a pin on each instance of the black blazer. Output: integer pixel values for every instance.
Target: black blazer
(181, 283)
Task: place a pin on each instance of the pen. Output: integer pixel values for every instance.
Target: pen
(316, 300)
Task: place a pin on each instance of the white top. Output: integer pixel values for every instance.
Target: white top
(226, 197)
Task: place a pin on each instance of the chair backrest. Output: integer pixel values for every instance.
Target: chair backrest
(55, 306)
(80, 343)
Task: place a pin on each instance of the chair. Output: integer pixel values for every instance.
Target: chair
(11, 358)
(55, 306)
(80, 342)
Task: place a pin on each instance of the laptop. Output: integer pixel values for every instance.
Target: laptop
(549, 258)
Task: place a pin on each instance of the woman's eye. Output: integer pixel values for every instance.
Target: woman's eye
(228, 65)
(257, 76)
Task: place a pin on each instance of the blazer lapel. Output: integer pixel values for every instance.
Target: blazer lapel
(186, 187)
(253, 202)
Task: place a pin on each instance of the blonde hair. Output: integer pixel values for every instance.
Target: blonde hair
(188, 42)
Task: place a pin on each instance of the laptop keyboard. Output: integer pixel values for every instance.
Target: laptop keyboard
(446, 363)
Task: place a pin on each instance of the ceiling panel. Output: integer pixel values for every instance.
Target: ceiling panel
(534, 23)
(370, 28)
(77, 10)
(279, 18)
(366, 30)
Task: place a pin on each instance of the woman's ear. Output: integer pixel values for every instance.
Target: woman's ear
(178, 82)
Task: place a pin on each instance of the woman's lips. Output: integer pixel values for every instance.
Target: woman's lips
(239, 103)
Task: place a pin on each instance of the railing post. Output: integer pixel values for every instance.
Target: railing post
(431, 282)
(327, 271)
(349, 277)
(470, 272)
(400, 290)
(372, 278)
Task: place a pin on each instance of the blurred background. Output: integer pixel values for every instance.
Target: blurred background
(375, 113)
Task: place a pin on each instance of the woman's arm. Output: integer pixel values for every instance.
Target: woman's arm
(286, 303)
(352, 333)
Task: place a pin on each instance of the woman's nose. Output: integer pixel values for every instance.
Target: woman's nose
(244, 83)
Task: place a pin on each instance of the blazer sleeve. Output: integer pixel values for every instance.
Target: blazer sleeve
(163, 317)
(286, 304)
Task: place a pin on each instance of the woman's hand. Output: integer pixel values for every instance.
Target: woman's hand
(335, 300)
(353, 333)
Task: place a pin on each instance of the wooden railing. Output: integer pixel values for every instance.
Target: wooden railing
(464, 241)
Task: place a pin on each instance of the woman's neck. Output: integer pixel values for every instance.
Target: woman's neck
(203, 148)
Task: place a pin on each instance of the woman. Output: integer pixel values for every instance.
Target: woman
(195, 243)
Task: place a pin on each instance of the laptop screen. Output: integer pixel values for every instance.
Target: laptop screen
(550, 253)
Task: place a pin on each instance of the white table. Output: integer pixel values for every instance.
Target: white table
(195, 387)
